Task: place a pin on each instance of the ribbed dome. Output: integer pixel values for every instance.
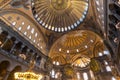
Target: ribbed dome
(59, 15)
(76, 41)
(76, 48)
(59, 59)
(82, 62)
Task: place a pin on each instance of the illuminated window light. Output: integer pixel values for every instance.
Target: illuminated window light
(92, 75)
(57, 63)
(41, 47)
(69, 27)
(59, 30)
(36, 34)
(77, 50)
(38, 19)
(68, 51)
(81, 20)
(85, 76)
(46, 26)
(86, 46)
(98, 9)
(83, 16)
(106, 63)
(62, 29)
(55, 29)
(60, 49)
(65, 28)
(100, 54)
(97, 2)
(78, 22)
(72, 26)
(113, 78)
(34, 41)
(91, 41)
(36, 15)
(19, 28)
(25, 33)
(108, 68)
(53, 74)
(33, 4)
(75, 24)
(49, 27)
(28, 27)
(40, 22)
(54, 62)
(23, 23)
(32, 31)
(43, 24)
(52, 28)
(106, 52)
(13, 23)
(30, 37)
(78, 75)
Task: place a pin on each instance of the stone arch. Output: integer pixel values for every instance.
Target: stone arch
(16, 69)
(28, 29)
(16, 51)
(4, 65)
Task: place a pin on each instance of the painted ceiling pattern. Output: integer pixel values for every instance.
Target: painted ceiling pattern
(77, 48)
(60, 15)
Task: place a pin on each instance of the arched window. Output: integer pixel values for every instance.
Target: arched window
(113, 78)
(52, 73)
(92, 75)
(85, 76)
(78, 75)
(108, 68)
(100, 54)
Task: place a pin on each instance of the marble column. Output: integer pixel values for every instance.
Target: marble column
(13, 46)
(6, 76)
(42, 63)
(8, 37)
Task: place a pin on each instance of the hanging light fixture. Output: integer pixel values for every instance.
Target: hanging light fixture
(29, 75)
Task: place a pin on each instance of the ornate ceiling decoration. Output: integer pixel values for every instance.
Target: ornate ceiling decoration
(76, 48)
(60, 15)
(82, 62)
(57, 60)
(74, 42)
(25, 26)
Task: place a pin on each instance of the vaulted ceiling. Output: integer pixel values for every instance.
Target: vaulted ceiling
(77, 47)
(60, 29)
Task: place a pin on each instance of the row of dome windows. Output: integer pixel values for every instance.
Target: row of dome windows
(28, 28)
(100, 10)
(27, 33)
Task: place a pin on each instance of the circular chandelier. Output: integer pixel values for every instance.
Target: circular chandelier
(60, 15)
(27, 76)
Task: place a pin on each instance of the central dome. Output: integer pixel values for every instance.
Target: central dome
(59, 15)
(60, 4)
